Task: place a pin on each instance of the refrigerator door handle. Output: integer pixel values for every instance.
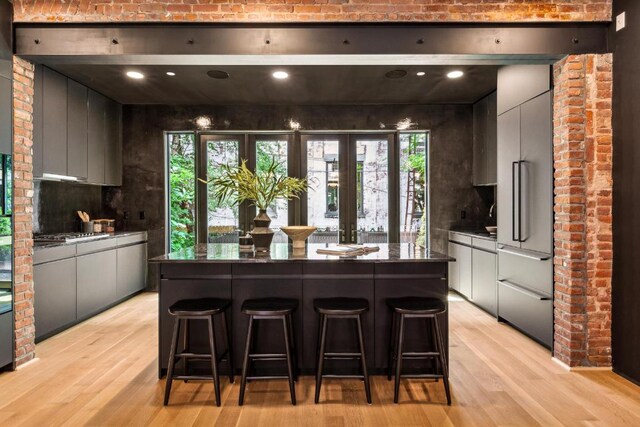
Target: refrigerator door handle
(525, 254)
(520, 162)
(514, 237)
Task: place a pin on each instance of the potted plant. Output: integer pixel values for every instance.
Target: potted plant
(235, 184)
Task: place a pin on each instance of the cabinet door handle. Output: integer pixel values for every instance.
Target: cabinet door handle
(514, 237)
(524, 291)
(520, 162)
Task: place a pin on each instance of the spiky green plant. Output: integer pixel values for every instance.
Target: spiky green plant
(235, 184)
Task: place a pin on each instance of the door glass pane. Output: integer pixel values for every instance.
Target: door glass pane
(413, 189)
(322, 197)
(181, 191)
(268, 151)
(372, 190)
(222, 218)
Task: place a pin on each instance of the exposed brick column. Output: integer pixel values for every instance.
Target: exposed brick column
(23, 209)
(582, 206)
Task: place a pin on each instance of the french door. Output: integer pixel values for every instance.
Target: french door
(350, 194)
(224, 222)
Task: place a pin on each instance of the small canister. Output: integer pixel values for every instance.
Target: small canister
(246, 243)
(87, 226)
(97, 226)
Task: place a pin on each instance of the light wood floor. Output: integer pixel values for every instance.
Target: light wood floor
(103, 372)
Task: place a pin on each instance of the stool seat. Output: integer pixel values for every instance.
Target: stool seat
(417, 305)
(199, 307)
(269, 306)
(341, 306)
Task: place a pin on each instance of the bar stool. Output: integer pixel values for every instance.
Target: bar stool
(270, 309)
(340, 308)
(198, 309)
(417, 308)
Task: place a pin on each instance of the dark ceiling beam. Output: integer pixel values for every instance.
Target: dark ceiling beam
(194, 43)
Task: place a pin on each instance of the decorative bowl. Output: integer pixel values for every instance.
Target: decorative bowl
(298, 234)
(492, 229)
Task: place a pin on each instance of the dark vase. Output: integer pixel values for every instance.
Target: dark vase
(262, 235)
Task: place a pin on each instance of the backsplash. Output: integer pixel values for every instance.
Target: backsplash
(55, 205)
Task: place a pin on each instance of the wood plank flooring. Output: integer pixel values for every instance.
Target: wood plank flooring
(103, 372)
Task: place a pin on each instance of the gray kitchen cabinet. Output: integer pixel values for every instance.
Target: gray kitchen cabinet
(520, 83)
(508, 157)
(77, 129)
(96, 137)
(454, 279)
(484, 141)
(113, 144)
(6, 116)
(132, 270)
(6, 339)
(54, 122)
(461, 268)
(484, 279)
(54, 296)
(537, 174)
(96, 276)
(37, 122)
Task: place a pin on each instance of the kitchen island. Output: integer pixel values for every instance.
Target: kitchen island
(221, 271)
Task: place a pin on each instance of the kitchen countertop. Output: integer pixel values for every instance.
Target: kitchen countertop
(117, 234)
(481, 234)
(282, 252)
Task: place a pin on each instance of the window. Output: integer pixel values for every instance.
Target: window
(332, 179)
(413, 188)
(181, 190)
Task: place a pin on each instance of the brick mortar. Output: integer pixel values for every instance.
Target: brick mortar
(23, 210)
(312, 10)
(582, 206)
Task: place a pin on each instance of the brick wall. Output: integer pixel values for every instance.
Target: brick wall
(583, 199)
(23, 209)
(312, 10)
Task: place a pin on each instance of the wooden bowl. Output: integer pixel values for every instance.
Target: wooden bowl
(298, 234)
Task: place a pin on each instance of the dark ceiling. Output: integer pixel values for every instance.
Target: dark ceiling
(306, 85)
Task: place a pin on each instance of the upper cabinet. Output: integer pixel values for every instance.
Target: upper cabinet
(485, 141)
(520, 83)
(77, 131)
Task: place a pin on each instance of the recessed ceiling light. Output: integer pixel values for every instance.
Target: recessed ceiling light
(455, 74)
(218, 74)
(280, 75)
(171, 73)
(395, 74)
(135, 75)
(420, 73)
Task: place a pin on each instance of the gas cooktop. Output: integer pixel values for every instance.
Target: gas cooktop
(67, 237)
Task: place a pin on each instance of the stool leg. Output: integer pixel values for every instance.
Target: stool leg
(443, 360)
(392, 341)
(363, 360)
(187, 345)
(245, 362)
(287, 345)
(294, 348)
(323, 342)
(396, 389)
(318, 339)
(434, 345)
(225, 331)
(214, 360)
(172, 360)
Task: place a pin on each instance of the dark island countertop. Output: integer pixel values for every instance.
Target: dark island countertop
(282, 252)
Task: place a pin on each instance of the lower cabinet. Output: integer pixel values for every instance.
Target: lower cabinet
(96, 282)
(54, 296)
(460, 271)
(6, 339)
(484, 280)
(132, 270)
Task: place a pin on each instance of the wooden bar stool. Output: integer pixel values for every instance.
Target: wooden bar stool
(270, 309)
(417, 308)
(198, 309)
(341, 308)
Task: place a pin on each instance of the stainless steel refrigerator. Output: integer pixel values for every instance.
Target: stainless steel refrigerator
(525, 216)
